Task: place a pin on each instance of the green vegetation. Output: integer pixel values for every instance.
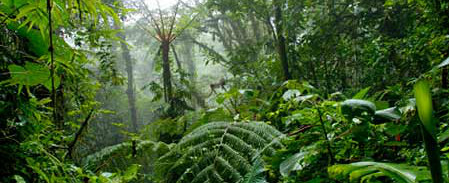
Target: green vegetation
(244, 91)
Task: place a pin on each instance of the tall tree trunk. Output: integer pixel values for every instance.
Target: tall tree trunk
(166, 72)
(282, 46)
(130, 90)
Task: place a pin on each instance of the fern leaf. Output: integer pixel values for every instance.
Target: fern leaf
(255, 175)
(219, 152)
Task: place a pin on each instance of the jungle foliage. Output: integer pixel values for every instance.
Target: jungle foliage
(245, 91)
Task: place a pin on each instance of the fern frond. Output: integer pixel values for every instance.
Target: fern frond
(218, 152)
(255, 175)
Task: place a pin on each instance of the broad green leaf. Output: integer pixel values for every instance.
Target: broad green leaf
(293, 163)
(37, 44)
(296, 162)
(357, 108)
(357, 172)
(424, 105)
(30, 75)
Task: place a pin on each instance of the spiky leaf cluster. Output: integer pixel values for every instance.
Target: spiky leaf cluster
(219, 152)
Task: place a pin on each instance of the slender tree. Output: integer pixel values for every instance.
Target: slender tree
(130, 91)
(281, 41)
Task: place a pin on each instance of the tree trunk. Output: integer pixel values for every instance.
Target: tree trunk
(166, 72)
(282, 46)
(130, 90)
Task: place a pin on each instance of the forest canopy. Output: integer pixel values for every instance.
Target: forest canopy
(239, 91)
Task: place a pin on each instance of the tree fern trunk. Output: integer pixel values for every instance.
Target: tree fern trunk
(166, 74)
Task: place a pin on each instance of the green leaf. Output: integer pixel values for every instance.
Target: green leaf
(296, 162)
(30, 75)
(443, 136)
(37, 44)
(381, 104)
(356, 172)
(361, 94)
(357, 108)
(291, 94)
(424, 105)
(47, 84)
(131, 172)
(19, 179)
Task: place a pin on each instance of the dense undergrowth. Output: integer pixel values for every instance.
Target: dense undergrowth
(312, 91)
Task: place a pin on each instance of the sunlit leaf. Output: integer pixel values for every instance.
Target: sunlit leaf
(424, 105)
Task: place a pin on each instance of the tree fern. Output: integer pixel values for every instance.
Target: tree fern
(218, 152)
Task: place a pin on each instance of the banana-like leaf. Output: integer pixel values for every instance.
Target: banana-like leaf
(429, 130)
(362, 171)
(424, 104)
